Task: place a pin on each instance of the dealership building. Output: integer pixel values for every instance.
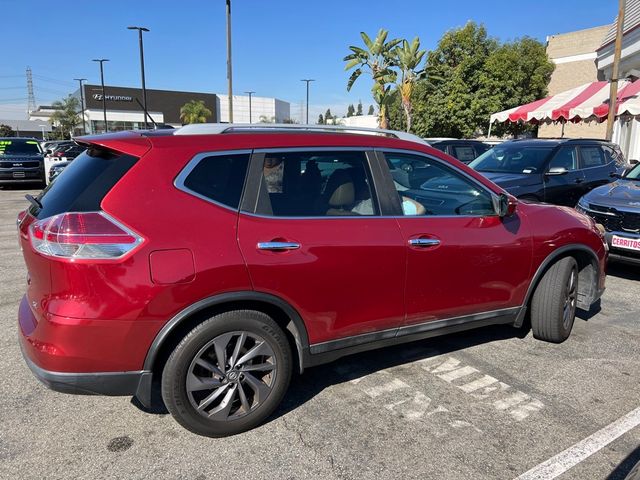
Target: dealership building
(125, 111)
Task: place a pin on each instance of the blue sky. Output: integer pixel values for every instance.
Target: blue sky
(275, 42)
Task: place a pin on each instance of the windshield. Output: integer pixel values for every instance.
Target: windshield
(634, 173)
(512, 159)
(19, 147)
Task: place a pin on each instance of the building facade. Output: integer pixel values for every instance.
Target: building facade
(124, 107)
(574, 55)
(626, 132)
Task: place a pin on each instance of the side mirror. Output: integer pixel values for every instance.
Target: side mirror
(48, 151)
(557, 171)
(633, 161)
(505, 205)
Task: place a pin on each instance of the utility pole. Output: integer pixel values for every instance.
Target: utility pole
(31, 101)
(84, 125)
(144, 88)
(229, 76)
(307, 81)
(104, 95)
(250, 93)
(613, 89)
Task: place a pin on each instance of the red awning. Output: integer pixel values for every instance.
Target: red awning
(588, 101)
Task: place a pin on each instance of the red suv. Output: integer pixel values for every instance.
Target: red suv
(219, 259)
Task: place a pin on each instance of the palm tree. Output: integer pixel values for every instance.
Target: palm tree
(66, 116)
(377, 59)
(407, 58)
(194, 111)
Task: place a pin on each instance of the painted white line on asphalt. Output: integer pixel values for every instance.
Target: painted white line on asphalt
(395, 384)
(511, 401)
(575, 454)
(523, 411)
(478, 384)
(459, 373)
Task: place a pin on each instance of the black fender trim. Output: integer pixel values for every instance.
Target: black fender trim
(295, 325)
(542, 268)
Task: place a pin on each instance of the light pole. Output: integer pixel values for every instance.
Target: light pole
(144, 88)
(307, 80)
(104, 95)
(84, 125)
(250, 93)
(42, 127)
(229, 77)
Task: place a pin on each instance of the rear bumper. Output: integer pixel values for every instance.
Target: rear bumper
(112, 383)
(100, 383)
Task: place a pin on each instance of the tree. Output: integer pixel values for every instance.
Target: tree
(328, 116)
(350, 110)
(407, 57)
(194, 111)
(320, 120)
(371, 111)
(65, 117)
(516, 73)
(6, 131)
(376, 59)
(265, 119)
(290, 120)
(359, 108)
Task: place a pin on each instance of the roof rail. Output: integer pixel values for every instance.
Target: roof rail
(219, 128)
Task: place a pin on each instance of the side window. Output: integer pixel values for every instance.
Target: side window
(316, 184)
(428, 187)
(591, 157)
(566, 158)
(464, 153)
(441, 147)
(219, 178)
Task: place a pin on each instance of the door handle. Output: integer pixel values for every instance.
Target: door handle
(424, 242)
(579, 180)
(278, 246)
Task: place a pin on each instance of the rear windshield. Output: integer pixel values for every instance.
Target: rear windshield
(19, 147)
(83, 184)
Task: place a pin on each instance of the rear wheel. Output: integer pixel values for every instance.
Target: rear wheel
(553, 307)
(228, 374)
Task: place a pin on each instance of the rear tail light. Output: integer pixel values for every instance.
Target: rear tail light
(83, 236)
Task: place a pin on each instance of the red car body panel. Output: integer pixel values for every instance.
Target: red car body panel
(350, 276)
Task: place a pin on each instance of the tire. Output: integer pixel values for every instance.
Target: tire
(553, 307)
(205, 395)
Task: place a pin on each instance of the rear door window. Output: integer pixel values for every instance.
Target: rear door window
(592, 157)
(316, 184)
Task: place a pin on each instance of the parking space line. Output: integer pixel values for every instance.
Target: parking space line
(478, 384)
(394, 384)
(578, 452)
(458, 373)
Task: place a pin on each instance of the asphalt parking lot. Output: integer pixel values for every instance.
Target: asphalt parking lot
(492, 403)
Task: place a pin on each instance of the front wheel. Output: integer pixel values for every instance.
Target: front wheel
(553, 307)
(228, 374)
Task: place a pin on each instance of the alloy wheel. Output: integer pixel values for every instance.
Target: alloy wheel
(569, 308)
(231, 375)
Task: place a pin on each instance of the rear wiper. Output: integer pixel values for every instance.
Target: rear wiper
(33, 200)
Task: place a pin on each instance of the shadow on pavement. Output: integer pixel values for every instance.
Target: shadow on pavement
(626, 470)
(627, 271)
(314, 380)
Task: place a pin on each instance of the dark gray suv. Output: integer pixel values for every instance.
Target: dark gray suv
(21, 160)
(556, 171)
